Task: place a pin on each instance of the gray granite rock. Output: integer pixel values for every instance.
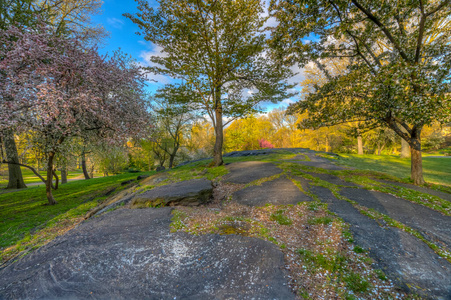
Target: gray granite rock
(248, 171)
(280, 191)
(188, 193)
(131, 254)
(408, 261)
(433, 225)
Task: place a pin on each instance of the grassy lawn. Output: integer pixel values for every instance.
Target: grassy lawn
(24, 213)
(435, 169)
(29, 176)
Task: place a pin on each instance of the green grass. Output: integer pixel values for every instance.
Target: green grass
(25, 212)
(320, 220)
(30, 177)
(435, 170)
(356, 283)
(331, 262)
(280, 218)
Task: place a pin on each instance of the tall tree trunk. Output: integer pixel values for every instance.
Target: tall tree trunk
(416, 163)
(217, 154)
(416, 167)
(64, 174)
(359, 143)
(48, 184)
(171, 160)
(15, 173)
(83, 165)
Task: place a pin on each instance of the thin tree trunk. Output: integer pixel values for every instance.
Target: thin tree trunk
(405, 149)
(219, 131)
(56, 180)
(15, 173)
(83, 165)
(416, 163)
(172, 156)
(359, 143)
(171, 161)
(64, 174)
(380, 148)
(48, 185)
(31, 168)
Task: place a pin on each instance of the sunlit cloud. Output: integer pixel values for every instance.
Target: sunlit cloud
(145, 56)
(116, 23)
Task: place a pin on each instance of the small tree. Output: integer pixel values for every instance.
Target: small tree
(172, 117)
(65, 90)
(218, 49)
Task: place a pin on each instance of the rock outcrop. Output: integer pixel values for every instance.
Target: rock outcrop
(131, 254)
(188, 193)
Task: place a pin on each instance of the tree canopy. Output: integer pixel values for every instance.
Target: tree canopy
(398, 57)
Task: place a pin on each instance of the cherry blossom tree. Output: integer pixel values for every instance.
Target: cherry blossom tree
(59, 89)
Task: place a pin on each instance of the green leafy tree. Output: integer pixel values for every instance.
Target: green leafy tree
(399, 57)
(218, 49)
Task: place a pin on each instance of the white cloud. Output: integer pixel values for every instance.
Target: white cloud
(116, 23)
(288, 101)
(299, 77)
(145, 62)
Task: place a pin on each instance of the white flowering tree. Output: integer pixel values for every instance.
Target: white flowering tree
(399, 55)
(58, 89)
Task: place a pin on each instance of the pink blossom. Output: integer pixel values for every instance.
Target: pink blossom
(264, 144)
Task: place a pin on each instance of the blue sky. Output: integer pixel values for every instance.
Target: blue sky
(123, 35)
